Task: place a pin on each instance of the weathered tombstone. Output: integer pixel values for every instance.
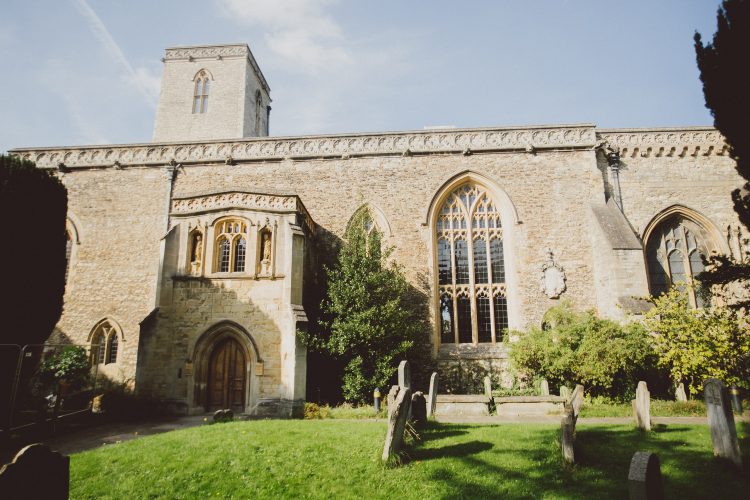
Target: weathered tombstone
(391, 398)
(487, 386)
(679, 393)
(644, 477)
(225, 415)
(567, 435)
(576, 400)
(22, 476)
(565, 392)
(432, 397)
(396, 424)
(642, 407)
(404, 375)
(721, 421)
(544, 388)
(419, 409)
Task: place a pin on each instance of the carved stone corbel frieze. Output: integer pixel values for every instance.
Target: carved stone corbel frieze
(553, 277)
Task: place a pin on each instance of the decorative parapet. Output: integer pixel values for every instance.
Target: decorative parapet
(197, 204)
(658, 142)
(464, 141)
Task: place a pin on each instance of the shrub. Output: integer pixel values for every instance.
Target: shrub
(694, 344)
(71, 365)
(577, 347)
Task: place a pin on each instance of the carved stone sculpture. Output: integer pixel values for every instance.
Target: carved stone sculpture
(553, 277)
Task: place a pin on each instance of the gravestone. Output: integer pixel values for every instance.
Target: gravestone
(404, 375)
(396, 424)
(565, 392)
(432, 397)
(721, 421)
(642, 407)
(419, 409)
(644, 477)
(544, 388)
(679, 393)
(487, 386)
(36, 472)
(567, 435)
(576, 400)
(225, 415)
(391, 398)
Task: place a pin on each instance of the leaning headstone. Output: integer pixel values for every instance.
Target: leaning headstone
(487, 386)
(544, 388)
(565, 392)
(679, 393)
(721, 421)
(391, 398)
(642, 407)
(396, 424)
(22, 476)
(644, 477)
(432, 397)
(567, 435)
(576, 400)
(404, 375)
(419, 409)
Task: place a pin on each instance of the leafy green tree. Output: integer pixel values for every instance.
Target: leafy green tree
(373, 320)
(694, 344)
(33, 207)
(577, 347)
(723, 65)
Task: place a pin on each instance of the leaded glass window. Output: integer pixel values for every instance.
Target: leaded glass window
(104, 344)
(471, 267)
(231, 246)
(112, 351)
(674, 254)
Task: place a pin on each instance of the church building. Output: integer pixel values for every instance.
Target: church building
(188, 255)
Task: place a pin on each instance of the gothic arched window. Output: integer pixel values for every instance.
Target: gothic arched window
(104, 344)
(200, 92)
(231, 246)
(471, 269)
(674, 253)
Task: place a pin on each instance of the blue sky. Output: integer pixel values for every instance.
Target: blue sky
(88, 71)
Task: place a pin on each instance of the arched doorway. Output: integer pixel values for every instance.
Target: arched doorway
(227, 376)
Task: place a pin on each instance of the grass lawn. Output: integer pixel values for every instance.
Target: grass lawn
(659, 408)
(340, 459)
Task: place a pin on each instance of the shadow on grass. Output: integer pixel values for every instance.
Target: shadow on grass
(516, 462)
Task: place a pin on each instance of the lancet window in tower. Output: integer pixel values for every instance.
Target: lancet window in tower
(104, 344)
(674, 254)
(471, 272)
(200, 93)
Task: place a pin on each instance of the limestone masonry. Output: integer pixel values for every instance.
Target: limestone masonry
(191, 252)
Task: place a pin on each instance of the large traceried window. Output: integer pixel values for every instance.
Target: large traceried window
(200, 92)
(674, 254)
(471, 271)
(231, 246)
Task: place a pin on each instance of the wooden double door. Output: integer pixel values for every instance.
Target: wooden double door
(227, 377)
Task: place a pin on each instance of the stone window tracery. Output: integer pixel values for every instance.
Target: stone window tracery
(200, 92)
(674, 254)
(471, 272)
(104, 344)
(231, 246)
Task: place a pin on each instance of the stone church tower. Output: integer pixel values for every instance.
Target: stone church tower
(211, 92)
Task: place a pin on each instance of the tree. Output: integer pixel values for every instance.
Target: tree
(578, 347)
(694, 344)
(373, 321)
(33, 208)
(723, 65)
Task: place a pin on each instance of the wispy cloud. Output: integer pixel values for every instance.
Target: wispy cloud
(146, 83)
(299, 32)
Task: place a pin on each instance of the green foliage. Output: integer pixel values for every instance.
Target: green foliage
(70, 364)
(31, 199)
(374, 321)
(695, 344)
(578, 348)
(725, 87)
